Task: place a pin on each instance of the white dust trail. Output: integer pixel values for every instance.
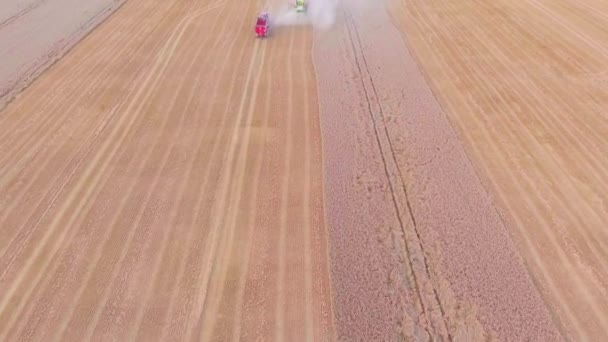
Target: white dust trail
(321, 14)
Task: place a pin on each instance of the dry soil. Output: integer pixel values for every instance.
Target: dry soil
(418, 248)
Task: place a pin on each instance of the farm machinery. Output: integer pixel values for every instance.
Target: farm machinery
(262, 25)
(300, 5)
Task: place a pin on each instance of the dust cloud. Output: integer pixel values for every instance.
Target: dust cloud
(321, 14)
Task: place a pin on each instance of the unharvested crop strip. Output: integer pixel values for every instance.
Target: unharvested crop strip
(365, 66)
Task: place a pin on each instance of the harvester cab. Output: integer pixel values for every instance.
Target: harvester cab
(262, 25)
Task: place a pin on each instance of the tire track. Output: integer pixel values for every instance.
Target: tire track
(280, 280)
(226, 259)
(308, 269)
(214, 233)
(240, 292)
(211, 298)
(206, 181)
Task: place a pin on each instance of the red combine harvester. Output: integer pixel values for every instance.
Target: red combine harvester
(262, 25)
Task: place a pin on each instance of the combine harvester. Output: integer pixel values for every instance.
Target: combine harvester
(300, 6)
(262, 25)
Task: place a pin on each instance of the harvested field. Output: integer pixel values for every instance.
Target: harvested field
(422, 170)
(153, 184)
(35, 33)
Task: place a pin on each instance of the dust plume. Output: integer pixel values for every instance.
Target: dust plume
(321, 14)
